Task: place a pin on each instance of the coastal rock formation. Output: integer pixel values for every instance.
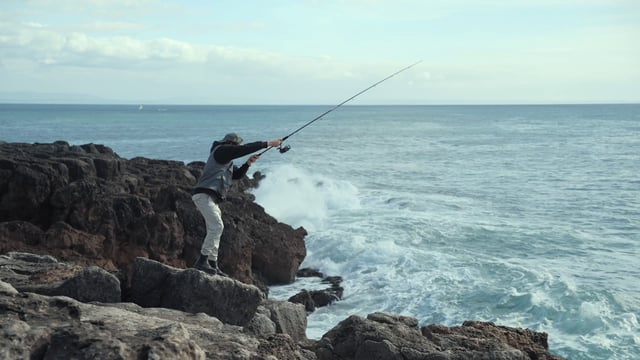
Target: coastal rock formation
(156, 285)
(44, 274)
(389, 336)
(312, 299)
(82, 229)
(34, 326)
(86, 205)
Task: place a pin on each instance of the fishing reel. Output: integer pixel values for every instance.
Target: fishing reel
(284, 149)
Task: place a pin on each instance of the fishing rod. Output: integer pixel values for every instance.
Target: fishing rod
(284, 149)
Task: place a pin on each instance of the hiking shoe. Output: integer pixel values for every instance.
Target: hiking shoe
(203, 264)
(214, 265)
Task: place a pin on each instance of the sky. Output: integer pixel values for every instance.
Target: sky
(319, 51)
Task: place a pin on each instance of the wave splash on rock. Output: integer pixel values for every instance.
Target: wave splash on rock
(95, 250)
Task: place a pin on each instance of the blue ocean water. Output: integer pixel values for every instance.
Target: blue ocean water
(527, 216)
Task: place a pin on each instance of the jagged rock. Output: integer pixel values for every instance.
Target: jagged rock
(279, 317)
(43, 274)
(389, 336)
(91, 284)
(34, 326)
(289, 318)
(281, 347)
(309, 272)
(156, 285)
(312, 299)
(277, 257)
(377, 338)
(261, 323)
(476, 337)
(85, 204)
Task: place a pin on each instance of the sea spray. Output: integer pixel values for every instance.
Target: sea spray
(296, 197)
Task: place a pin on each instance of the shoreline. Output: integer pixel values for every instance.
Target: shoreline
(132, 220)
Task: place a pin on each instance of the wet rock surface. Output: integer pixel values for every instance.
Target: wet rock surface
(312, 299)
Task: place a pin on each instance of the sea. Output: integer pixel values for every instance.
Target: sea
(527, 216)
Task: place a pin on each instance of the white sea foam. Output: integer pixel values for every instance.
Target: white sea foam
(299, 198)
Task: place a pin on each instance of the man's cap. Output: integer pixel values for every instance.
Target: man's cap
(232, 137)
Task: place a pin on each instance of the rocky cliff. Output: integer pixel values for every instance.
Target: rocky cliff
(94, 251)
(86, 205)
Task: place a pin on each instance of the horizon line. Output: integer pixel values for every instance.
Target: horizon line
(353, 105)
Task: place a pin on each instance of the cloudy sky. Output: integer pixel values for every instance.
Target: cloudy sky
(319, 51)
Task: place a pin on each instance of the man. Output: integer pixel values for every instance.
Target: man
(212, 187)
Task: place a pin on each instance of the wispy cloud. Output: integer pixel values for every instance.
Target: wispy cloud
(52, 47)
(36, 41)
(486, 50)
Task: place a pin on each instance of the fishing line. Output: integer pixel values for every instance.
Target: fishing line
(284, 149)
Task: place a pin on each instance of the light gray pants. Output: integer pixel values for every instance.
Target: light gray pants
(213, 220)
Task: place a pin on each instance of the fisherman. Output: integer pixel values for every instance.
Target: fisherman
(212, 186)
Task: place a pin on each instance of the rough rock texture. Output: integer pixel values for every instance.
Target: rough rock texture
(156, 285)
(45, 275)
(389, 336)
(279, 317)
(475, 337)
(85, 204)
(312, 299)
(289, 318)
(34, 326)
(160, 286)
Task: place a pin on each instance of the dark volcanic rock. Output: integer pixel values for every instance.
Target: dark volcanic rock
(156, 285)
(312, 299)
(85, 204)
(389, 336)
(309, 272)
